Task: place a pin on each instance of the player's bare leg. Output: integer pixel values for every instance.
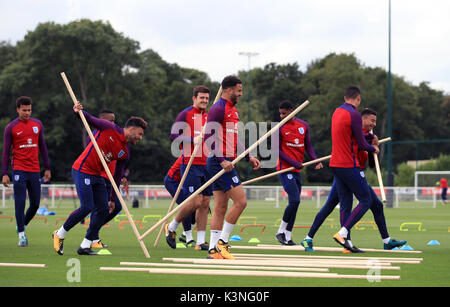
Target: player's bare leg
(237, 195)
(201, 220)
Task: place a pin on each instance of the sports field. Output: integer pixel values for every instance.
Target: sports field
(434, 270)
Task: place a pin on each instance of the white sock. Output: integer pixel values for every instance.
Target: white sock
(22, 234)
(61, 232)
(86, 243)
(226, 231)
(201, 237)
(288, 235)
(386, 241)
(173, 225)
(215, 235)
(308, 238)
(350, 243)
(343, 232)
(282, 227)
(95, 241)
(189, 236)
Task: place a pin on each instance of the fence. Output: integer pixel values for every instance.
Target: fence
(64, 195)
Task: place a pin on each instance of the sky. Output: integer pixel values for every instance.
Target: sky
(209, 35)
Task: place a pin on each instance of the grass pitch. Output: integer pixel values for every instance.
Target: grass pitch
(433, 271)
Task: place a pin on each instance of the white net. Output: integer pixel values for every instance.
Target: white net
(427, 184)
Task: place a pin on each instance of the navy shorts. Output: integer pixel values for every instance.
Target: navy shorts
(172, 186)
(224, 182)
(198, 175)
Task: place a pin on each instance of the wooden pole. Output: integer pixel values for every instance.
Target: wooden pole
(281, 263)
(285, 170)
(293, 168)
(214, 178)
(105, 166)
(24, 265)
(389, 259)
(380, 179)
(320, 249)
(224, 266)
(180, 185)
(247, 273)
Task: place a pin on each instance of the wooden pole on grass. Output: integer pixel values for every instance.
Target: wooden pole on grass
(180, 185)
(253, 146)
(105, 166)
(23, 265)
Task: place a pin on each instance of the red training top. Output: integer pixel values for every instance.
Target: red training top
(347, 137)
(223, 113)
(26, 139)
(113, 145)
(444, 183)
(191, 121)
(294, 139)
(174, 172)
(111, 165)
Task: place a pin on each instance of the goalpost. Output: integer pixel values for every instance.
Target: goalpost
(428, 181)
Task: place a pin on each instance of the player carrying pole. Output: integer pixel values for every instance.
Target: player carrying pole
(294, 140)
(87, 170)
(368, 123)
(188, 128)
(222, 128)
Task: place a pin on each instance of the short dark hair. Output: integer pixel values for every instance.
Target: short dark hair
(23, 100)
(135, 121)
(105, 111)
(200, 89)
(286, 105)
(368, 111)
(230, 81)
(352, 92)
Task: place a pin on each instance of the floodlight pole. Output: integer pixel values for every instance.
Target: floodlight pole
(390, 178)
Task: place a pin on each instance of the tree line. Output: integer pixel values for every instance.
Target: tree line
(107, 70)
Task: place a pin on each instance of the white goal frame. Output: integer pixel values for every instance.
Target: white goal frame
(416, 175)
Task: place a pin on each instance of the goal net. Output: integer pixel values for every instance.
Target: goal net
(427, 184)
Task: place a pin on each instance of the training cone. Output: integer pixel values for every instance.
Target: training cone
(434, 242)
(235, 238)
(104, 251)
(406, 248)
(254, 240)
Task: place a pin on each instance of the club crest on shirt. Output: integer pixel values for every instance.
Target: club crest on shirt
(301, 130)
(35, 129)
